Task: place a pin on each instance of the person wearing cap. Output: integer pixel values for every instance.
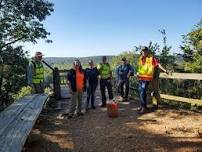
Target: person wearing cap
(105, 73)
(35, 73)
(123, 73)
(92, 74)
(76, 80)
(146, 64)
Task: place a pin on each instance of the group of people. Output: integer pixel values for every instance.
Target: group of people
(80, 80)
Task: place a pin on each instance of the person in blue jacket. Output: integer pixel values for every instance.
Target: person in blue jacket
(123, 73)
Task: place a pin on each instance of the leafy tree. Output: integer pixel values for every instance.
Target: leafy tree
(129, 55)
(165, 58)
(192, 48)
(20, 21)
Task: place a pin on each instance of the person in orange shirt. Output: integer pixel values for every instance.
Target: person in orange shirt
(76, 80)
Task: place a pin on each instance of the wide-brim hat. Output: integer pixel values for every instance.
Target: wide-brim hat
(38, 54)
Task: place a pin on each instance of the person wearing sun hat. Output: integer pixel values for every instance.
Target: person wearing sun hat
(35, 73)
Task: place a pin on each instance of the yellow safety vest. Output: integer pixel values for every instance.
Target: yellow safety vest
(105, 70)
(38, 76)
(146, 70)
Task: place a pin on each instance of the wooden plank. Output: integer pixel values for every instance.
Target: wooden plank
(182, 99)
(184, 76)
(16, 133)
(11, 113)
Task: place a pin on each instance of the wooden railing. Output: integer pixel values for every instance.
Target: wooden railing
(181, 76)
(61, 76)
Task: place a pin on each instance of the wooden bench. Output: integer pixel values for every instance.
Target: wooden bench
(17, 121)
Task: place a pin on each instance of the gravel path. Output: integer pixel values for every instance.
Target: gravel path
(163, 130)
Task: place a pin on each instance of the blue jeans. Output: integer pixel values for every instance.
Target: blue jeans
(143, 85)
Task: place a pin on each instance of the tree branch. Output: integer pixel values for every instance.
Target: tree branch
(12, 42)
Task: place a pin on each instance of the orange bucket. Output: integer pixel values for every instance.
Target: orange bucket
(112, 109)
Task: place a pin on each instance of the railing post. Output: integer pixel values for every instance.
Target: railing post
(56, 83)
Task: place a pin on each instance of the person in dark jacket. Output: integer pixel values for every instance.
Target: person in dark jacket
(92, 74)
(123, 72)
(76, 81)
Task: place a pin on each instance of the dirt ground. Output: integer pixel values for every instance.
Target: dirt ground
(164, 130)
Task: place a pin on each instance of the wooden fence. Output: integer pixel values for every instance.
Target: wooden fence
(60, 76)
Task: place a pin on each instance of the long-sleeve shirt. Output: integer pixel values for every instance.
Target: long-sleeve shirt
(92, 75)
(30, 70)
(122, 71)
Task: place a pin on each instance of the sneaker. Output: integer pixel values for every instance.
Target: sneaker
(69, 116)
(139, 108)
(142, 111)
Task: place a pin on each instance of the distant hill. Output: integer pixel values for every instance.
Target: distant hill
(70, 60)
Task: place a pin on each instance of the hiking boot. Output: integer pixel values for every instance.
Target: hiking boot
(142, 111)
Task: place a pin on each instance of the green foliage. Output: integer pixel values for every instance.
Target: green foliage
(66, 62)
(129, 55)
(24, 91)
(14, 72)
(20, 20)
(166, 60)
(192, 48)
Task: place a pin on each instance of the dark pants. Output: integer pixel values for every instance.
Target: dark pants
(103, 84)
(121, 91)
(143, 85)
(38, 88)
(91, 94)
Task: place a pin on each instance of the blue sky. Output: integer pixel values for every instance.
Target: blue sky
(108, 27)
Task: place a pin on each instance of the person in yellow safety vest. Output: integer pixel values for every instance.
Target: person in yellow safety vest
(146, 64)
(105, 74)
(35, 73)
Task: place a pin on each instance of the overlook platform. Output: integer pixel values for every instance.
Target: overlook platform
(164, 130)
